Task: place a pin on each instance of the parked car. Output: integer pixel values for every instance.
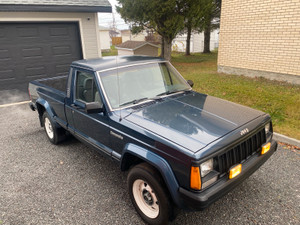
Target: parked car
(183, 148)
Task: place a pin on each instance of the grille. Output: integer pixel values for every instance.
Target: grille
(240, 152)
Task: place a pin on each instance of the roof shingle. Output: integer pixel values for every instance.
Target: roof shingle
(57, 2)
(134, 44)
(55, 5)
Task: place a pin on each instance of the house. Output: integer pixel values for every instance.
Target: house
(40, 38)
(128, 36)
(137, 48)
(105, 41)
(197, 42)
(260, 38)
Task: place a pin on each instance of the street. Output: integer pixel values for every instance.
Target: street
(41, 183)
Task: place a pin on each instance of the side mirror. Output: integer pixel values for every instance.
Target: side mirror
(93, 107)
(190, 82)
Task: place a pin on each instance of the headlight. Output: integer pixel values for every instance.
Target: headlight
(267, 128)
(206, 167)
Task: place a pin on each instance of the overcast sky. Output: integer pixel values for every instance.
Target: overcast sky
(106, 19)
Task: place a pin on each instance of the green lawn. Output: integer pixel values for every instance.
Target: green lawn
(113, 51)
(279, 99)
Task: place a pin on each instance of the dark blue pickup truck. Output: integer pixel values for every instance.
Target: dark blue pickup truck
(182, 148)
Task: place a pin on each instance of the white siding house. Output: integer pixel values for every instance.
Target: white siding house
(197, 42)
(105, 41)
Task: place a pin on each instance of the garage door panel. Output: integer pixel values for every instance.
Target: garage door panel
(5, 55)
(35, 72)
(61, 69)
(7, 75)
(61, 50)
(27, 32)
(30, 51)
(4, 33)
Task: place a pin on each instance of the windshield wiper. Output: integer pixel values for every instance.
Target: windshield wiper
(166, 93)
(135, 101)
(170, 92)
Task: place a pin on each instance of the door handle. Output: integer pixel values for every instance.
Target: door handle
(75, 106)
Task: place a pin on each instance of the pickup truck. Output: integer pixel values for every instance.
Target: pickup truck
(182, 148)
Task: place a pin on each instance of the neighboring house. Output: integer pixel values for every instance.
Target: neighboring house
(260, 38)
(128, 36)
(105, 41)
(40, 38)
(114, 33)
(197, 42)
(137, 48)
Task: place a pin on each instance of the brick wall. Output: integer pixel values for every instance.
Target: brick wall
(258, 35)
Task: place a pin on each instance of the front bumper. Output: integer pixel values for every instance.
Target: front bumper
(201, 200)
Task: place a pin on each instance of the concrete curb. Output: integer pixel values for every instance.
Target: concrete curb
(285, 139)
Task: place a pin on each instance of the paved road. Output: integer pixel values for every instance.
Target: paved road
(41, 183)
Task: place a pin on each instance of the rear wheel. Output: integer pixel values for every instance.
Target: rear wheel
(55, 135)
(148, 194)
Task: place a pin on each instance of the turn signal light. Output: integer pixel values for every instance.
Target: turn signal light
(234, 171)
(195, 178)
(265, 148)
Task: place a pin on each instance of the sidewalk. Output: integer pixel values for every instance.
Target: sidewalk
(286, 139)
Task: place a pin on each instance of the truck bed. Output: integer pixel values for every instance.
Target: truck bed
(59, 83)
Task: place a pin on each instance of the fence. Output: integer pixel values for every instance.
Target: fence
(116, 40)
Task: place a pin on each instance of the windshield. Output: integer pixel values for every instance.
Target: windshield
(134, 84)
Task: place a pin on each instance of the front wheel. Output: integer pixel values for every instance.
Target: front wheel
(148, 194)
(55, 135)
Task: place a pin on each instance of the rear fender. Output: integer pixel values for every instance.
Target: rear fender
(42, 105)
(160, 164)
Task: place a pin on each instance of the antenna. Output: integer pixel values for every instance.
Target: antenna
(119, 93)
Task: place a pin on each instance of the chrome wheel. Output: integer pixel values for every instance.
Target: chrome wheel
(48, 127)
(145, 198)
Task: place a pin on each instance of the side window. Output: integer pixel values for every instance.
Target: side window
(86, 89)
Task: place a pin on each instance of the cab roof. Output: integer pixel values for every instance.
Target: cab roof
(111, 62)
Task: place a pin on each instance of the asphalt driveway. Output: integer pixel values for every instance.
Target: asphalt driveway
(41, 183)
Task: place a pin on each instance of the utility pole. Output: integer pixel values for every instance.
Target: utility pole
(114, 22)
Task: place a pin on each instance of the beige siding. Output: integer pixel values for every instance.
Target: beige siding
(87, 23)
(124, 52)
(261, 36)
(147, 50)
(104, 39)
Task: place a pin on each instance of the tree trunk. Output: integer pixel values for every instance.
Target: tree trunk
(167, 49)
(162, 48)
(188, 40)
(207, 40)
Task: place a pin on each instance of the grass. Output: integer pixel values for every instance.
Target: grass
(113, 51)
(279, 99)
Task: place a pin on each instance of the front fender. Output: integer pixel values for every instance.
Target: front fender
(160, 164)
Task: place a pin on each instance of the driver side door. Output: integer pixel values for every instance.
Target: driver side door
(92, 128)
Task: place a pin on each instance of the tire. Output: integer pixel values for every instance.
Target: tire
(54, 134)
(148, 194)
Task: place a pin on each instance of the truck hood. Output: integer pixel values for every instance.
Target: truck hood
(192, 120)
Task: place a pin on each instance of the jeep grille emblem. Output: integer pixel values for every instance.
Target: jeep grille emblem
(245, 131)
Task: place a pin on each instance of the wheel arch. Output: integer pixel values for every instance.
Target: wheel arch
(133, 155)
(43, 106)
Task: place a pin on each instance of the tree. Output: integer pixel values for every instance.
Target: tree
(210, 21)
(163, 16)
(193, 15)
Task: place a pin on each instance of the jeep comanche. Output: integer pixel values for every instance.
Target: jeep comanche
(183, 148)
